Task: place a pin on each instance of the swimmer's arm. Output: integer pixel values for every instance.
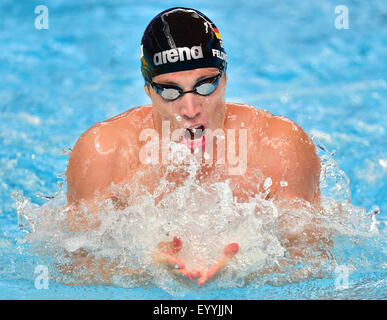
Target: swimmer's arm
(300, 235)
(299, 166)
(88, 175)
(295, 173)
(89, 170)
(84, 268)
(293, 166)
(309, 243)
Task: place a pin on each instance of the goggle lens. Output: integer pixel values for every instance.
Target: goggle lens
(204, 88)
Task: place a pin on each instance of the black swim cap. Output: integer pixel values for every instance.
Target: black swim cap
(181, 39)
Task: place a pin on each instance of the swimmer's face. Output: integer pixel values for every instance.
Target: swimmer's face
(190, 109)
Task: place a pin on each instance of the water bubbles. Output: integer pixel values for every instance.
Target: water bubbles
(267, 184)
(284, 99)
(206, 216)
(375, 210)
(375, 95)
(178, 153)
(383, 163)
(334, 183)
(355, 100)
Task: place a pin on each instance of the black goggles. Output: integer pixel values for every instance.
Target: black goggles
(203, 87)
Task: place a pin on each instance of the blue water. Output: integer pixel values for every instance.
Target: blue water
(287, 58)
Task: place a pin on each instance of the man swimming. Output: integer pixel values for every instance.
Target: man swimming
(184, 64)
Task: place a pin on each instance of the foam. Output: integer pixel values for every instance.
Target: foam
(206, 218)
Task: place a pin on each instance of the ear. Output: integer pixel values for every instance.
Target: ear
(147, 89)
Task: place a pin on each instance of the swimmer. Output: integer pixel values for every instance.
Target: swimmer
(184, 65)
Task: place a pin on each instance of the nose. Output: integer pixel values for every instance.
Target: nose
(190, 106)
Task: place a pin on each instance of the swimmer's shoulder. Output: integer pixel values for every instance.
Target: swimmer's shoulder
(133, 120)
(252, 115)
(104, 138)
(96, 155)
(241, 115)
(281, 127)
(140, 114)
(263, 124)
(284, 137)
(125, 125)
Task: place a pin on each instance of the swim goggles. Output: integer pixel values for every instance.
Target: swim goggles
(203, 87)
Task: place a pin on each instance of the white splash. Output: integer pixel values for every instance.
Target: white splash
(206, 217)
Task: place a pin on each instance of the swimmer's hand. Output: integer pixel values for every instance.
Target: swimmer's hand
(167, 251)
(229, 251)
(166, 254)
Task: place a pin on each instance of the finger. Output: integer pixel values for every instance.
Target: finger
(163, 246)
(231, 250)
(177, 245)
(166, 258)
(184, 272)
(171, 247)
(197, 273)
(211, 272)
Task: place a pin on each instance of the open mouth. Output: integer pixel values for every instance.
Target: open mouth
(194, 136)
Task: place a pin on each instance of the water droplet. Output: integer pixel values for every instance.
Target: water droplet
(283, 183)
(284, 99)
(268, 182)
(178, 118)
(242, 124)
(375, 210)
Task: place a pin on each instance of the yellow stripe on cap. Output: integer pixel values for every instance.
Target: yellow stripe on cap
(216, 31)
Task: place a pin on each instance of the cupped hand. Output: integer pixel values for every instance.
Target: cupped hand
(229, 251)
(166, 254)
(167, 251)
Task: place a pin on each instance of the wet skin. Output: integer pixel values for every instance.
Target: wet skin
(276, 147)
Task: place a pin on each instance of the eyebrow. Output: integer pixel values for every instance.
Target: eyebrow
(196, 81)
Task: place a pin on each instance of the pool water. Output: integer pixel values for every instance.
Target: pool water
(288, 58)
